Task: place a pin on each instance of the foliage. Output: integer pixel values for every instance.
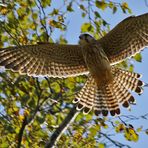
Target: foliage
(32, 108)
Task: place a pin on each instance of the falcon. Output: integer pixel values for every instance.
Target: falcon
(107, 86)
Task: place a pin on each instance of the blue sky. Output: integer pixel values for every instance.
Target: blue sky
(138, 7)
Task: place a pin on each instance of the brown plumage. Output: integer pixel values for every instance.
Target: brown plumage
(49, 59)
(107, 86)
(108, 97)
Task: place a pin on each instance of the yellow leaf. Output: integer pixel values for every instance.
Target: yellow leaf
(21, 117)
(102, 5)
(117, 129)
(101, 145)
(125, 5)
(72, 79)
(117, 122)
(22, 4)
(3, 10)
(29, 127)
(121, 127)
(127, 135)
(60, 18)
(23, 40)
(32, 26)
(135, 137)
(26, 112)
(105, 126)
(86, 27)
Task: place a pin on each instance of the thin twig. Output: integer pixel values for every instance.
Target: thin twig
(116, 143)
(41, 10)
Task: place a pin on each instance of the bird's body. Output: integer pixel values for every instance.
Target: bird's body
(99, 65)
(107, 85)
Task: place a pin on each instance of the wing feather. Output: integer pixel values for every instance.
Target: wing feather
(48, 59)
(128, 38)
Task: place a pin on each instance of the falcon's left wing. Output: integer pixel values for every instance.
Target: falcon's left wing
(128, 38)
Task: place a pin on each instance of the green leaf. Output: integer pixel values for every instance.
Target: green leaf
(4, 38)
(111, 5)
(63, 40)
(94, 129)
(131, 67)
(139, 129)
(86, 27)
(34, 16)
(114, 9)
(55, 12)
(97, 14)
(4, 144)
(101, 4)
(82, 7)
(40, 119)
(124, 7)
(56, 87)
(69, 7)
(146, 131)
(138, 57)
(83, 14)
(46, 3)
(104, 23)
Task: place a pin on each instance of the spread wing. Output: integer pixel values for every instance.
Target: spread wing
(128, 38)
(49, 59)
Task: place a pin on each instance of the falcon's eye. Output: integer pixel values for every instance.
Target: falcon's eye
(80, 37)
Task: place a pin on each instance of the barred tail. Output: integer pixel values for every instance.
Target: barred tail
(109, 97)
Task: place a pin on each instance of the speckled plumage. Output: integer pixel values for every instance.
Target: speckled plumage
(107, 86)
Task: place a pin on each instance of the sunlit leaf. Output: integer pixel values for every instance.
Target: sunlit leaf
(101, 4)
(139, 129)
(138, 57)
(86, 27)
(114, 9)
(69, 7)
(101, 145)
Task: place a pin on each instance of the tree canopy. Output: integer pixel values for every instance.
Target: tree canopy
(32, 108)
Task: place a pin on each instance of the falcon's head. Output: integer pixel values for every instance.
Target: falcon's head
(85, 39)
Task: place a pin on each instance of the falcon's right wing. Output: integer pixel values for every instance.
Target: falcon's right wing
(49, 59)
(125, 40)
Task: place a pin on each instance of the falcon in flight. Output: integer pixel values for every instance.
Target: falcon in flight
(107, 85)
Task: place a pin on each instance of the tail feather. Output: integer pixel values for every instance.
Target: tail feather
(129, 80)
(85, 97)
(100, 102)
(121, 93)
(113, 102)
(107, 98)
